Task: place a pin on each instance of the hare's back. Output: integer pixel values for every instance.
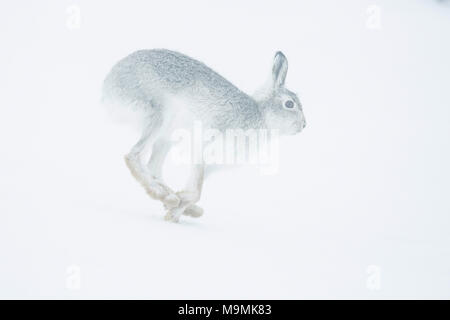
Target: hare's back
(147, 75)
(177, 71)
(149, 70)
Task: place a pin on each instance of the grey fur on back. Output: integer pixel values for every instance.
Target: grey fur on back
(146, 78)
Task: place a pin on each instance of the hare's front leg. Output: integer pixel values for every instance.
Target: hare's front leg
(160, 149)
(189, 196)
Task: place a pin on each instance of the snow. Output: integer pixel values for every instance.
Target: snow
(365, 184)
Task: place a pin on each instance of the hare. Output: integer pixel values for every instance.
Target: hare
(172, 89)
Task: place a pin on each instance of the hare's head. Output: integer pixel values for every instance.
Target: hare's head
(281, 107)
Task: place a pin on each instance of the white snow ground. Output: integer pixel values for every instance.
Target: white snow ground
(366, 184)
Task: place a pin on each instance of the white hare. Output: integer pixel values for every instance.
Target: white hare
(154, 81)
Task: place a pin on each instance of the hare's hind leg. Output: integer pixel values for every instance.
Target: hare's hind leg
(189, 196)
(134, 161)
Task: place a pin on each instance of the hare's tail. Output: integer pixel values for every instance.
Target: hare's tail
(122, 106)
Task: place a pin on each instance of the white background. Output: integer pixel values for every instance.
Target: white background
(366, 184)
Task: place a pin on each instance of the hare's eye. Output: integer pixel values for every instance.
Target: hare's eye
(289, 104)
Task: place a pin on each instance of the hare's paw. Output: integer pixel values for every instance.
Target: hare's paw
(169, 217)
(171, 201)
(188, 197)
(165, 194)
(173, 215)
(193, 211)
(182, 203)
(156, 190)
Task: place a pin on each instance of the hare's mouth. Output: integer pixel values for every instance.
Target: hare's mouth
(298, 127)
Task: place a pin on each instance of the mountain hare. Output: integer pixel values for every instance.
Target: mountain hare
(173, 90)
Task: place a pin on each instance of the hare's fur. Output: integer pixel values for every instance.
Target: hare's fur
(172, 90)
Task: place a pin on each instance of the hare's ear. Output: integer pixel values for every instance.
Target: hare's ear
(279, 69)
